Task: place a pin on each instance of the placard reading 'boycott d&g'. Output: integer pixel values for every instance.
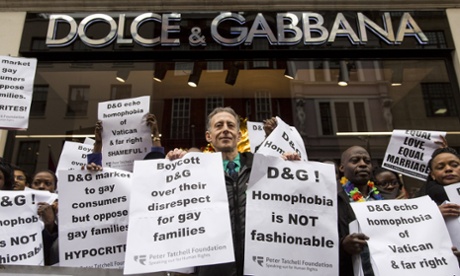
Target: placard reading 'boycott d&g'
(73, 156)
(16, 87)
(125, 136)
(407, 237)
(283, 139)
(409, 151)
(291, 218)
(179, 215)
(20, 229)
(93, 218)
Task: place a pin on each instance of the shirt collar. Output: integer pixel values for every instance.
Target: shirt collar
(237, 162)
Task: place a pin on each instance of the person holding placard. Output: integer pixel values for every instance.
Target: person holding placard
(445, 170)
(355, 186)
(223, 133)
(47, 181)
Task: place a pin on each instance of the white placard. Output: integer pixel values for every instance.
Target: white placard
(291, 218)
(43, 195)
(256, 134)
(125, 136)
(407, 237)
(409, 151)
(89, 141)
(453, 192)
(73, 156)
(20, 229)
(93, 218)
(179, 216)
(453, 223)
(16, 87)
(283, 139)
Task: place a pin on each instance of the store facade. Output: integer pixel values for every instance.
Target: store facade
(399, 68)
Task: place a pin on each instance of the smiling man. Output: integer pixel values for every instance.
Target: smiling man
(223, 133)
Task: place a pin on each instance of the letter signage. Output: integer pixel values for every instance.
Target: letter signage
(231, 29)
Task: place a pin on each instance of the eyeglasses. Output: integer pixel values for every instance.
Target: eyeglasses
(20, 177)
(387, 184)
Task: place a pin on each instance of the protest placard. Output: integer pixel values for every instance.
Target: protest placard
(16, 87)
(406, 237)
(453, 192)
(452, 222)
(179, 216)
(20, 229)
(126, 136)
(256, 134)
(93, 218)
(42, 195)
(291, 218)
(409, 151)
(283, 139)
(89, 141)
(73, 156)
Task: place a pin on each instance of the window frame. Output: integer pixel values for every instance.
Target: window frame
(351, 105)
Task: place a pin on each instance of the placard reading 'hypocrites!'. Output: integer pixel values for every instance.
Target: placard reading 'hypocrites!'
(16, 87)
(20, 229)
(291, 218)
(93, 218)
(125, 135)
(179, 214)
(409, 151)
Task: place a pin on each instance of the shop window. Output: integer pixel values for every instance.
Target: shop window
(180, 123)
(27, 155)
(39, 44)
(439, 99)
(38, 106)
(343, 116)
(326, 118)
(78, 100)
(214, 66)
(213, 102)
(120, 91)
(263, 106)
(436, 40)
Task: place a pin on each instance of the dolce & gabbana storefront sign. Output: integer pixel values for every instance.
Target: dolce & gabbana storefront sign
(230, 29)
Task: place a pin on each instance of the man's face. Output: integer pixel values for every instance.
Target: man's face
(356, 165)
(223, 133)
